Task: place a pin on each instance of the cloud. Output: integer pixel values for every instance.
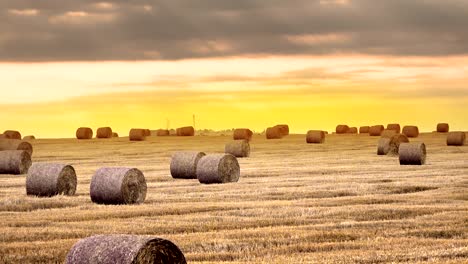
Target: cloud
(85, 30)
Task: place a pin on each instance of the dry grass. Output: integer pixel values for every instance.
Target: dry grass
(336, 202)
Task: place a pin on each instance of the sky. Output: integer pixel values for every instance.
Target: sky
(312, 64)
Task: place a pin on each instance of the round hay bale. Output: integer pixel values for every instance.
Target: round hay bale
(284, 129)
(12, 134)
(184, 164)
(172, 132)
(124, 249)
(411, 131)
(364, 130)
(14, 162)
(395, 142)
(162, 132)
(273, 133)
(16, 144)
(456, 138)
(395, 127)
(147, 132)
(352, 130)
(137, 134)
(443, 128)
(242, 133)
(188, 131)
(412, 153)
(84, 133)
(315, 137)
(49, 179)
(383, 146)
(118, 186)
(238, 148)
(31, 137)
(376, 131)
(114, 134)
(218, 168)
(388, 133)
(104, 132)
(342, 129)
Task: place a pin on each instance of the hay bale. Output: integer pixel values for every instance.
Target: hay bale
(188, 131)
(315, 136)
(30, 137)
(284, 129)
(395, 127)
(383, 146)
(137, 134)
(115, 135)
(118, 186)
(242, 133)
(16, 144)
(49, 179)
(388, 133)
(411, 131)
(456, 138)
(124, 249)
(395, 143)
(352, 130)
(218, 168)
(12, 134)
(364, 130)
(2, 136)
(184, 164)
(341, 129)
(162, 132)
(14, 162)
(104, 132)
(412, 153)
(84, 133)
(147, 132)
(443, 128)
(273, 133)
(172, 132)
(238, 148)
(376, 131)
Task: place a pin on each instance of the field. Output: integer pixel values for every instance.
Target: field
(295, 203)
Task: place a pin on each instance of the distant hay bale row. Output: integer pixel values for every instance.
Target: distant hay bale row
(352, 130)
(104, 132)
(14, 162)
(391, 145)
(115, 135)
(49, 179)
(124, 249)
(218, 168)
(395, 127)
(238, 148)
(184, 164)
(11, 134)
(342, 129)
(411, 131)
(442, 128)
(376, 131)
(16, 144)
(84, 133)
(118, 186)
(188, 131)
(283, 129)
(242, 133)
(162, 132)
(412, 154)
(273, 133)
(30, 137)
(315, 137)
(456, 138)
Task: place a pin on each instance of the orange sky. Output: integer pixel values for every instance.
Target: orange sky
(307, 92)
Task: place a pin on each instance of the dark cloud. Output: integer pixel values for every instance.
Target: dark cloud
(56, 30)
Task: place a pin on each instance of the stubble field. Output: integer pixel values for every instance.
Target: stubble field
(336, 202)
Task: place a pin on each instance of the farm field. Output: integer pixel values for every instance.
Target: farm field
(336, 202)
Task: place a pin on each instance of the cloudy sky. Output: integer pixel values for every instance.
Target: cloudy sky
(244, 63)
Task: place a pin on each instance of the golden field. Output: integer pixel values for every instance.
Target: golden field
(336, 202)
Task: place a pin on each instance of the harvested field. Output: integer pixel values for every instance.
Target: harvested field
(295, 202)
